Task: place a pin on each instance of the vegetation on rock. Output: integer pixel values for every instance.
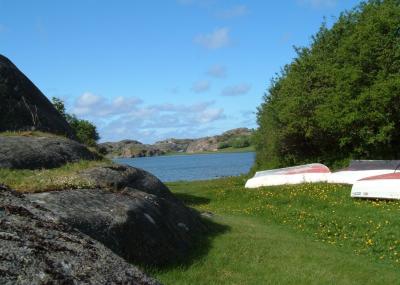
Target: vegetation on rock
(42, 180)
(340, 98)
(236, 142)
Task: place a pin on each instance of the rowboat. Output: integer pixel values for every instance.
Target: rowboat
(385, 186)
(359, 169)
(308, 173)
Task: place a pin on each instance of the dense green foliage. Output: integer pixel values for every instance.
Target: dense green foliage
(340, 98)
(297, 234)
(236, 142)
(84, 130)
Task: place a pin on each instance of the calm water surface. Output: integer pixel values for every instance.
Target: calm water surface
(193, 167)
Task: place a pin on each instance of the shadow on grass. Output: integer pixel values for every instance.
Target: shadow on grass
(190, 200)
(201, 246)
(202, 242)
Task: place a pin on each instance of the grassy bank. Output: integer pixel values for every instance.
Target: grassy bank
(42, 180)
(304, 234)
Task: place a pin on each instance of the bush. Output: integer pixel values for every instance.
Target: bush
(84, 130)
(241, 142)
(223, 145)
(340, 98)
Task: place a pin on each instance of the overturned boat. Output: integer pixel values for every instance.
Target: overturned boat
(385, 186)
(359, 169)
(307, 173)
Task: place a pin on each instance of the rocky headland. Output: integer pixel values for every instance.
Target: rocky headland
(133, 148)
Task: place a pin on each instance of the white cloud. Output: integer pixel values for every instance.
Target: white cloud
(214, 40)
(92, 105)
(210, 115)
(88, 99)
(128, 117)
(201, 86)
(233, 12)
(157, 122)
(236, 90)
(217, 71)
(318, 3)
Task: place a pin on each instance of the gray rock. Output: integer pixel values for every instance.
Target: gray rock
(203, 144)
(138, 226)
(23, 107)
(132, 148)
(35, 248)
(21, 152)
(118, 177)
(212, 143)
(174, 145)
(129, 148)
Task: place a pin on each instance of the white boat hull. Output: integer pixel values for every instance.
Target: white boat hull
(350, 177)
(312, 173)
(309, 173)
(377, 187)
(275, 180)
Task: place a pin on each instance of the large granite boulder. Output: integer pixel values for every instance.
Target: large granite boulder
(118, 177)
(36, 248)
(24, 107)
(136, 216)
(32, 152)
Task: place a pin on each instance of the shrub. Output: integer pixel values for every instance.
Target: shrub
(223, 145)
(84, 130)
(241, 142)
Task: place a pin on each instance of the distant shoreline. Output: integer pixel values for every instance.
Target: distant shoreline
(227, 150)
(230, 150)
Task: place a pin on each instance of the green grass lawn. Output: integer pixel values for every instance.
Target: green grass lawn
(304, 234)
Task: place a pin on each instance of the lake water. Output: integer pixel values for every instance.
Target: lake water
(193, 167)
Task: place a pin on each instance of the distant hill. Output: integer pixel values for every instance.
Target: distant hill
(234, 139)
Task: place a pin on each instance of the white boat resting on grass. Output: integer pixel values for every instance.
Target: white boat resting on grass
(386, 186)
(308, 173)
(359, 169)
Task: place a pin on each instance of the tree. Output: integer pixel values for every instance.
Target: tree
(59, 105)
(84, 130)
(340, 97)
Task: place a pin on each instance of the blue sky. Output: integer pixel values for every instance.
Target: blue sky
(150, 70)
